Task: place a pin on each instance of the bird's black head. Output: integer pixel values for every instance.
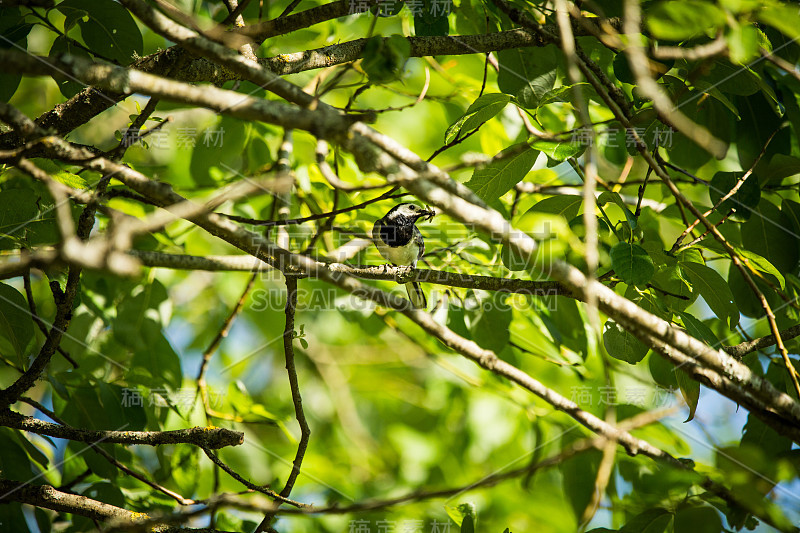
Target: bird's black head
(409, 212)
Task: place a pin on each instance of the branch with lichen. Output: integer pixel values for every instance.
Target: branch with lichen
(207, 437)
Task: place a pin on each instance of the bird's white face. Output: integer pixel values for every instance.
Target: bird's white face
(411, 211)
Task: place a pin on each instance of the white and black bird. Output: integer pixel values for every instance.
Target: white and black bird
(400, 242)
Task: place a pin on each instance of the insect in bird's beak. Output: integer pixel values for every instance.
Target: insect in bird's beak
(429, 213)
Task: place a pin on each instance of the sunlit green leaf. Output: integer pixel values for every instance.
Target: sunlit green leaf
(683, 19)
(632, 263)
(499, 177)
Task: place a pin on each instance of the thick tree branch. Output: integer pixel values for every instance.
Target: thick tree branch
(207, 437)
(50, 498)
(246, 263)
(129, 81)
(346, 52)
(110, 458)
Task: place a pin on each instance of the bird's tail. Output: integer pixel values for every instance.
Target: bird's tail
(416, 295)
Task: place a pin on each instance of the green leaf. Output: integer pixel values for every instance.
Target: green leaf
(14, 462)
(676, 20)
(748, 303)
(632, 263)
(697, 519)
(156, 363)
(769, 234)
(621, 345)
(490, 328)
(389, 8)
(219, 146)
(782, 17)
(68, 86)
(461, 513)
(481, 110)
(19, 210)
(699, 330)
(385, 58)
(560, 151)
(757, 433)
(729, 78)
(512, 260)
(563, 94)
(690, 390)
(662, 371)
(743, 200)
(430, 19)
(106, 27)
(670, 278)
(71, 180)
(608, 196)
(567, 206)
(16, 324)
(14, 32)
(42, 520)
(781, 166)
(13, 28)
(714, 290)
(743, 42)
(12, 517)
(706, 87)
(497, 178)
(117, 403)
(755, 260)
(792, 210)
(759, 122)
(653, 520)
(575, 472)
(184, 468)
(527, 76)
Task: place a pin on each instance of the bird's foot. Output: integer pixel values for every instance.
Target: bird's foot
(404, 274)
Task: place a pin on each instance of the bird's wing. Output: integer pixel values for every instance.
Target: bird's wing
(420, 242)
(376, 230)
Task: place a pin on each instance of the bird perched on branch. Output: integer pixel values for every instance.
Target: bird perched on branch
(399, 241)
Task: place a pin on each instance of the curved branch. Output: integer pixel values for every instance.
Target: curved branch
(297, 400)
(48, 497)
(252, 486)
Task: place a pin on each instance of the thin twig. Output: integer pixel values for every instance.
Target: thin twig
(202, 389)
(258, 222)
(257, 488)
(26, 280)
(297, 400)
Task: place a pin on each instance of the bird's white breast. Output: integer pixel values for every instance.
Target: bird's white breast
(400, 255)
